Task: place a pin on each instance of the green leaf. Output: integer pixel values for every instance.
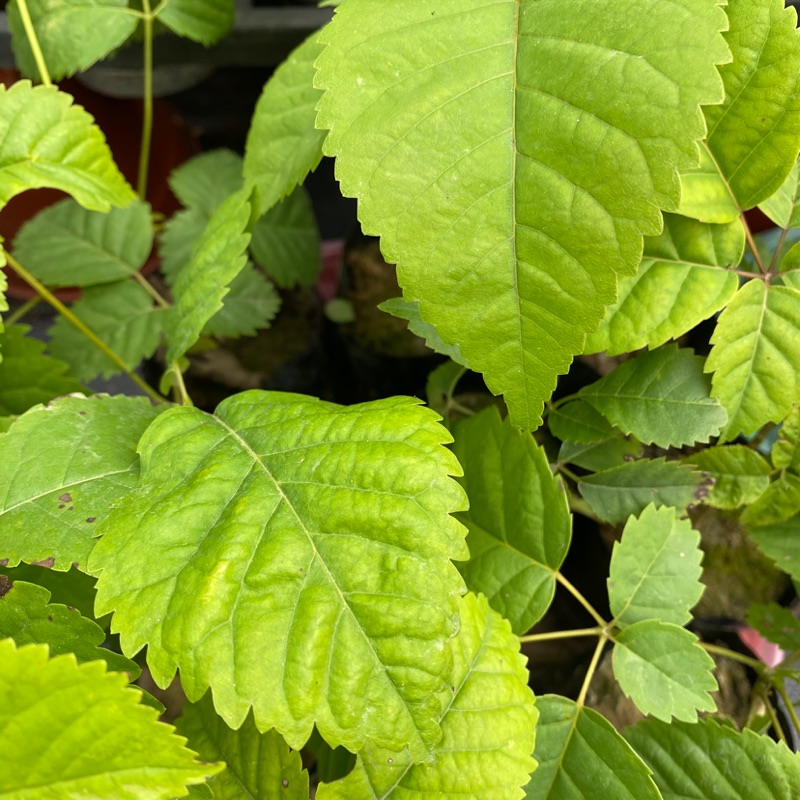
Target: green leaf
(283, 144)
(601, 456)
(510, 189)
(99, 739)
(73, 34)
(679, 284)
(487, 717)
(660, 397)
(754, 136)
(27, 375)
(205, 181)
(518, 520)
(330, 763)
(781, 542)
(786, 451)
(61, 466)
(776, 624)
(617, 493)
(204, 21)
(581, 756)
(27, 618)
(714, 761)
(92, 247)
(177, 240)
(579, 423)
(663, 669)
(258, 766)
(655, 569)
(217, 258)
(398, 307)
(783, 208)
(250, 305)
(286, 242)
(780, 500)
(740, 474)
(45, 141)
(441, 386)
(285, 530)
(123, 316)
(754, 358)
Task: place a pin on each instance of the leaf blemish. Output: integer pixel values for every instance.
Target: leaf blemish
(66, 497)
(47, 562)
(5, 585)
(90, 519)
(285, 783)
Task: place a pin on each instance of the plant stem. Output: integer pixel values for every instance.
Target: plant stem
(454, 405)
(180, 386)
(752, 243)
(48, 297)
(150, 289)
(781, 689)
(776, 724)
(33, 41)
(564, 470)
(545, 637)
(147, 110)
(22, 311)
(590, 672)
(774, 262)
(581, 599)
(734, 656)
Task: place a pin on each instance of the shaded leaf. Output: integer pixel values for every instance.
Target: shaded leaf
(330, 763)
(250, 305)
(441, 386)
(518, 520)
(678, 284)
(217, 258)
(283, 144)
(786, 451)
(27, 375)
(776, 624)
(660, 397)
(783, 207)
(61, 467)
(398, 307)
(714, 761)
(740, 474)
(661, 667)
(581, 756)
(601, 456)
(580, 423)
(315, 535)
(92, 247)
(204, 21)
(205, 181)
(27, 618)
(123, 315)
(258, 766)
(73, 34)
(780, 501)
(754, 358)
(45, 141)
(487, 717)
(487, 162)
(286, 242)
(109, 743)
(619, 492)
(781, 542)
(177, 240)
(754, 135)
(655, 569)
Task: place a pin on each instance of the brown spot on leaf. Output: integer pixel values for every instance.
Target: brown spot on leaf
(50, 617)
(285, 783)
(47, 562)
(82, 413)
(75, 564)
(61, 505)
(90, 520)
(71, 508)
(66, 497)
(3, 562)
(5, 585)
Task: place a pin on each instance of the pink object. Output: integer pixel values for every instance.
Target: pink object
(766, 652)
(332, 252)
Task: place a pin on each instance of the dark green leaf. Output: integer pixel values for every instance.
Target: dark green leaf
(781, 542)
(204, 21)
(205, 181)
(601, 456)
(579, 423)
(250, 305)
(177, 240)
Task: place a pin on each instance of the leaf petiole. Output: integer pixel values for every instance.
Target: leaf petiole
(545, 637)
(33, 41)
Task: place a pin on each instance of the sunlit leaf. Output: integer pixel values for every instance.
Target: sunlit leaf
(780, 501)
(783, 207)
(740, 474)
(786, 451)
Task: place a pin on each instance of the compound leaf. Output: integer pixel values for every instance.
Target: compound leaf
(518, 520)
(780, 501)
(488, 718)
(283, 144)
(48, 142)
(754, 135)
(501, 140)
(661, 667)
(779, 542)
(617, 493)
(109, 744)
(655, 569)
(290, 531)
(581, 756)
(579, 423)
(123, 316)
(61, 466)
(680, 282)
(740, 474)
(754, 358)
(714, 761)
(73, 34)
(204, 21)
(786, 451)
(258, 766)
(92, 247)
(776, 624)
(28, 618)
(217, 258)
(661, 397)
(27, 375)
